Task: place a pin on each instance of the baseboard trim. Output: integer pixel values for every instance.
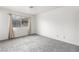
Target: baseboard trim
(58, 40)
(19, 37)
(25, 35)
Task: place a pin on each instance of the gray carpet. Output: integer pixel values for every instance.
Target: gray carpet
(36, 43)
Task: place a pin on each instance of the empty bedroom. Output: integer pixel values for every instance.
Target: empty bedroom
(39, 28)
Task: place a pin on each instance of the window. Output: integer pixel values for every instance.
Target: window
(19, 21)
(25, 22)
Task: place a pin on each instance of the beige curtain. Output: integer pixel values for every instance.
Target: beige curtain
(11, 32)
(29, 25)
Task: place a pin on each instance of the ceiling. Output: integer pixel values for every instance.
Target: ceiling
(33, 11)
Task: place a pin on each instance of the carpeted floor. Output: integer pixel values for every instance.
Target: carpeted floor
(36, 43)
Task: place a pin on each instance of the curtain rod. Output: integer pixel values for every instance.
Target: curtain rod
(19, 15)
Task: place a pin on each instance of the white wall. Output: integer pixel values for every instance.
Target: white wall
(4, 24)
(60, 24)
(33, 24)
(20, 31)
